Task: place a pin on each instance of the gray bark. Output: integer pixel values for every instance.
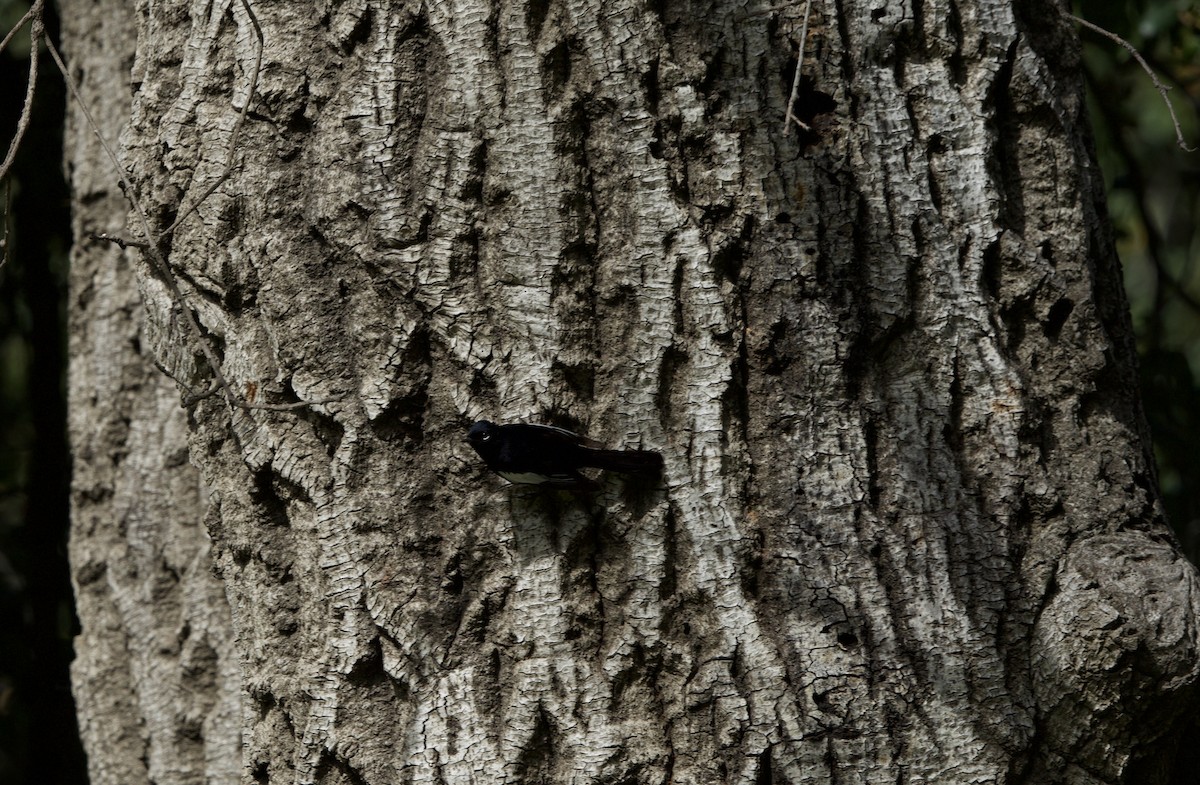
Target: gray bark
(908, 528)
(157, 682)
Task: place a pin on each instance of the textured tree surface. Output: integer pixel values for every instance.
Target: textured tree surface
(157, 682)
(908, 529)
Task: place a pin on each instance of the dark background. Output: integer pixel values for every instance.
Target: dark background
(39, 740)
(1154, 198)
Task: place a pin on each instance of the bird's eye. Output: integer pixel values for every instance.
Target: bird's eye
(485, 437)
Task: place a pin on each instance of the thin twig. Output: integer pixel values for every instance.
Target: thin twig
(36, 7)
(35, 32)
(237, 126)
(220, 383)
(788, 116)
(1154, 238)
(764, 11)
(160, 264)
(120, 241)
(288, 407)
(126, 187)
(4, 247)
(193, 398)
(1162, 89)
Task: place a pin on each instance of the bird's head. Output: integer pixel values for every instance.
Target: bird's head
(482, 436)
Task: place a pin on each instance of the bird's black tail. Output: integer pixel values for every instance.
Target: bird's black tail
(644, 462)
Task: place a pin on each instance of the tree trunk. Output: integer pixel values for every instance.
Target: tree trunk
(908, 529)
(157, 680)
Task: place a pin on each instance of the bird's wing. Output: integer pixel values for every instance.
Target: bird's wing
(573, 437)
(568, 481)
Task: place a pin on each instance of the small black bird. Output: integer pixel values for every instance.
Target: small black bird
(552, 457)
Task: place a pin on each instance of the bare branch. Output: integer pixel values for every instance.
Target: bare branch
(288, 407)
(34, 17)
(160, 264)
(35, 8)
(237, 126)
(764, 11)
(120, 241)
(192, 398)
(788, 116)
(220, 383)
(4, 247)
(1162, 89)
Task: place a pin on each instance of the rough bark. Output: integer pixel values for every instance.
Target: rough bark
(908, 529)
(156, 680)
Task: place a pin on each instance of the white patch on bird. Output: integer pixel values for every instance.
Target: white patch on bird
(528, 478)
